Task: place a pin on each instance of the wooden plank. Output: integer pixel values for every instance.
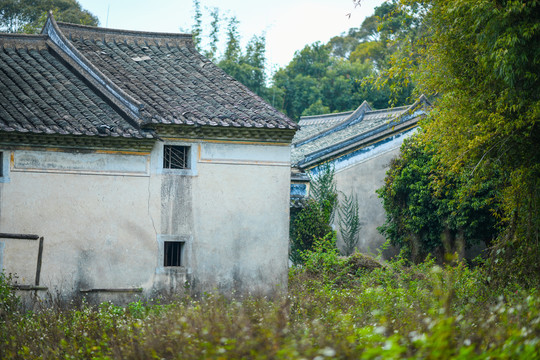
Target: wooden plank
(119, 290)
(40, 255)
(29, 287)
(19, 236)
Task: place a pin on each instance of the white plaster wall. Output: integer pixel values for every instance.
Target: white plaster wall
(241, 219)
(97, 225)
(102, 217)
(364, 179)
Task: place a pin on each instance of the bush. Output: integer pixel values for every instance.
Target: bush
(393, 311)
(9, 301)
(313, 221)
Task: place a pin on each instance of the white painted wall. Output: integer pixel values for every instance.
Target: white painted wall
(103, 217)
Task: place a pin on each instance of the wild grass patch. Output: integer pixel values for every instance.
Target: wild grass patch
(334, 309)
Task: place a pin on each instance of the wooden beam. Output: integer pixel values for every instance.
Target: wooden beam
(39, 256)
(128, 290)
(19, 236)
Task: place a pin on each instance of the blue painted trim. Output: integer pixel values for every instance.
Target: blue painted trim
(314, 172)
(298, 190)
(4, 164)
(319, 153)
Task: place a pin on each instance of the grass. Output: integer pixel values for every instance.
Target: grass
(334, 309)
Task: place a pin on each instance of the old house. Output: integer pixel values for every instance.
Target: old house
(133, 165)
(359, 146)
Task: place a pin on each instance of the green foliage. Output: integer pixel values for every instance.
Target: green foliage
(430, 209)
(324, 192)
(307, 226)
(323, 258)
(340, 75)
(248, 66)
(395, 311)
(316, 108)
(29, 16)
(480, 62)
(314, 220)
(349, 223)
(214, 34)
(196, 30)
(9, 301)
(232, 50)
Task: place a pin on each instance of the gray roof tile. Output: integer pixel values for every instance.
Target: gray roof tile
(40, 94)
(321, 132)
(176, 84)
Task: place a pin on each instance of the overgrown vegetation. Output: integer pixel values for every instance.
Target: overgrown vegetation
(479, 61)
(349, 222)
(314, 220)
(432, 210)
(337, 307)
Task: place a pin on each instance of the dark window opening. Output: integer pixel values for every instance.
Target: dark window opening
(1, 164)
(175, 157)
(173, 253)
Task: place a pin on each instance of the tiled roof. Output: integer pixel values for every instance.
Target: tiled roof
(40, 94)
(172, 80)
(89, 86)
(318, 136)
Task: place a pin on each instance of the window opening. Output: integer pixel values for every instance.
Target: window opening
(173, 253)
(175, 157)
(1, 164)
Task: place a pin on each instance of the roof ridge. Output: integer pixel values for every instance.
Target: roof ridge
(393, 109)
(22, 40)
(313, 117)
(102, 33)
(356, 116)
(60, 45)
(409, 115)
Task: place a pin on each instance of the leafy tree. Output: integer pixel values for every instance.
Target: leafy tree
(432, 210)
(214, 34)
(232, 51)
(196, 30)
(343, 73)
(29, 15)
(316, 108)
(248, 67)
(481, 58)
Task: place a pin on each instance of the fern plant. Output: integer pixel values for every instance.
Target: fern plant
(349, 223)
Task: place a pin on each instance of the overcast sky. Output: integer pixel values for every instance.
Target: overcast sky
(289, 24)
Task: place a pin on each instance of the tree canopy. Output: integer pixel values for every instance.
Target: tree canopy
(29, 16)
(332, 77)
(480, 61)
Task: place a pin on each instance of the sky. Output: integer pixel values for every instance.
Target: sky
(289, 25)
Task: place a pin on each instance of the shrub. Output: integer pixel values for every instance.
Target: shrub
(313, 221)
(9, 301)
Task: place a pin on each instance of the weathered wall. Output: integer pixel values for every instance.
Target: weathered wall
(95, 214)
(241, 218)
(364, 179)
(362, 172)
(104, 218)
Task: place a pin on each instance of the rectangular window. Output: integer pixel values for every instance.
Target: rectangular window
(176, 157)
(173, 253)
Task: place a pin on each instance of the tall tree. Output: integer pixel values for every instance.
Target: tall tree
(196, 30)
(29, 15)
(480, 61)
(211, 53)
(232, 50)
